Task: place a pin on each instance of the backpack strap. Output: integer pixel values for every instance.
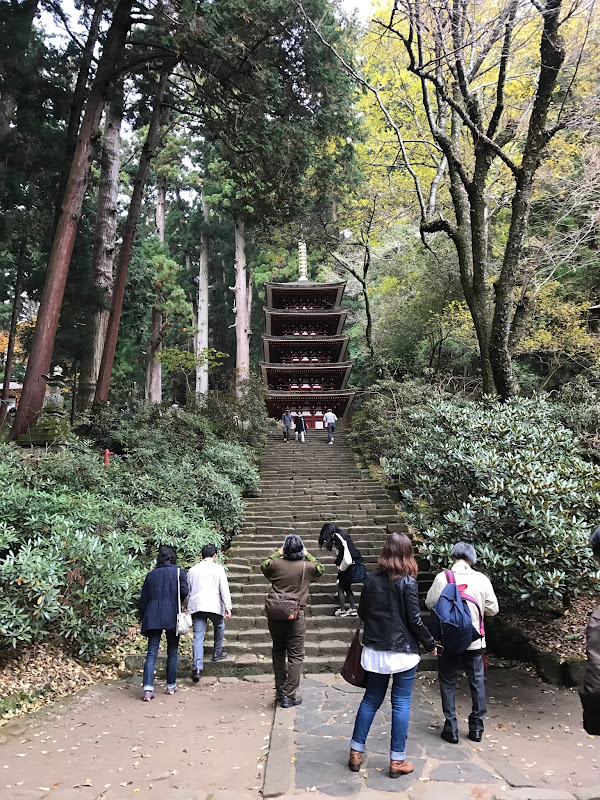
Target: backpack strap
(450, 576)
(470, 599)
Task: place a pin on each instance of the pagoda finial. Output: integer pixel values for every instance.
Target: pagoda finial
(302, 265)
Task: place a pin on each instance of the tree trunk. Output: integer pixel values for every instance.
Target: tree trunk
(552, 56)
(154, 371)
(105, 237)
(77, 102)
(153, 391)
(201, 337)
(112, 333)
(161, 208)
(12, 61)
(12, 336)
(242, 308)
(62, 248)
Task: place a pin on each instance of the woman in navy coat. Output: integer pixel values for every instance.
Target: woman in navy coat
(158, 611)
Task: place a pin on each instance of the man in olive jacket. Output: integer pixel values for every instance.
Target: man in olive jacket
(291, 570)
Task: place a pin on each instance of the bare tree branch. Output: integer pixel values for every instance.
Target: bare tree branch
(363, 82)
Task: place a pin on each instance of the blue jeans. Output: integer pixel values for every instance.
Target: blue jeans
(330, 432)
(402, 683)
(199, 620)
(172, 657)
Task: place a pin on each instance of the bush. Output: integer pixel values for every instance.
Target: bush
(383, 424)
(76, 538)
(508, 477)
(72, 564)
(578, 408)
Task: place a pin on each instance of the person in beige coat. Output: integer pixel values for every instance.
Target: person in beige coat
(479, 587)
(209, 598)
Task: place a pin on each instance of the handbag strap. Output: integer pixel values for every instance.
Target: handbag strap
(302, 576)
(178, 591)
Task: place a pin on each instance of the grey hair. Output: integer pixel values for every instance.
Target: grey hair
(293, 547)
(463, 551)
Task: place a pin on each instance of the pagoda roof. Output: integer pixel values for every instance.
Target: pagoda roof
(339, 371)
(325, 343)
(283, 316)
(276, 293)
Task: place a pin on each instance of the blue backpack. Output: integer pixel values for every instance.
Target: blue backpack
(451, 622)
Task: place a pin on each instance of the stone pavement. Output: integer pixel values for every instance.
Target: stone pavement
(534, 747)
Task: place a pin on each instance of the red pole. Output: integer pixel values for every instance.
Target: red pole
(107, 455)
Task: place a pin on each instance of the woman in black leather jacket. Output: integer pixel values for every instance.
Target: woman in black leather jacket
(590, 691)
(389, 607)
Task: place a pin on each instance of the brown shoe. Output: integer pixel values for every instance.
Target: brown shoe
(355, 760)
(398, 768)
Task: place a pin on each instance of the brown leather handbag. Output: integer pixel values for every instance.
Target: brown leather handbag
(284, 607)
(352, 671)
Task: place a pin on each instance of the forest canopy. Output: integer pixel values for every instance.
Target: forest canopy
(161, 162)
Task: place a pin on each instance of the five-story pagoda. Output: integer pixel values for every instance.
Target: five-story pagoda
(306, 367)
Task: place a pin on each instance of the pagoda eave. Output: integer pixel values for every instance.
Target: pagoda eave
(336, 374)
(273, 291)
(336, 346)
(332, 322)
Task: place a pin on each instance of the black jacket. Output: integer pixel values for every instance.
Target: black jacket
(390, 611)
(158, 603)
(590, 691)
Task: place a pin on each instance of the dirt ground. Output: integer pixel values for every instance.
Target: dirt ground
(104, 742)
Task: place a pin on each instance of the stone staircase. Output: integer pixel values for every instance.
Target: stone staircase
(303, 486)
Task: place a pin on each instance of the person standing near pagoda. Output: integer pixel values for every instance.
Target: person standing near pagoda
(300, 424)
(330, 419)
(286, 424)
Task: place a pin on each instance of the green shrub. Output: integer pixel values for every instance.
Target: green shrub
(72, 565)
(578, 408)
(383, 423)
(76, 538)
(508, 477)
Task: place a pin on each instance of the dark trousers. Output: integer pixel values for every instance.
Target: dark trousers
(448, 666)
(152, 654)
(330, 432)
(288, 641)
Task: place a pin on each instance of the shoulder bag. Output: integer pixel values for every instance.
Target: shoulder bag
(352, 671)
(184, 618)
(284, 607)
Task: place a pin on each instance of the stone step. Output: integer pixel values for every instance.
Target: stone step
(281, 507)
(316, 619)
(316, 524)
(251, 664)
(301, 487)
(250, 573)
(319, 595)
(249, 616)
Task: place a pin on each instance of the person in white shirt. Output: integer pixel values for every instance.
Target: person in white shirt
(208, 599)
(479, 587)
(330, 419)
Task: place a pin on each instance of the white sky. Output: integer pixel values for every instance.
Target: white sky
(364, 7)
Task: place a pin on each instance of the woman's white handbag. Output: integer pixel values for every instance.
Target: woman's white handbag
(184, 618)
